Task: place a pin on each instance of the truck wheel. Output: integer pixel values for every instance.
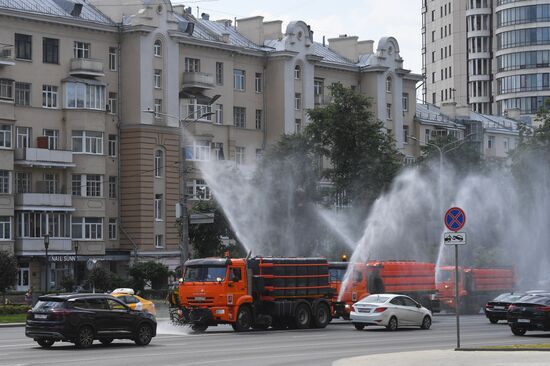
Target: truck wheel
(199, 327)
(244, 319)
(322, 316)
(302, 317)
(519, 331)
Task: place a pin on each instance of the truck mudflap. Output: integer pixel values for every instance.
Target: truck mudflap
(184, 316)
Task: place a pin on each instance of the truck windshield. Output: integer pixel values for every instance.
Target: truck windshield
(337, 274)
(204, 274)
(446, 276)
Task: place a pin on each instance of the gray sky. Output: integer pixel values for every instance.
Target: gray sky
(367, 19)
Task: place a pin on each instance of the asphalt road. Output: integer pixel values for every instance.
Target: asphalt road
(221, 346)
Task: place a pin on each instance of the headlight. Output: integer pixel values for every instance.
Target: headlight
(347, 306)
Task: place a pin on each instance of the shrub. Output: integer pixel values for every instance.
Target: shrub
(14, 309)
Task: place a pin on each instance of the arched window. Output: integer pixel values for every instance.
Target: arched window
(159, 163)
(388, 84)
(157, 48)
(297, 72)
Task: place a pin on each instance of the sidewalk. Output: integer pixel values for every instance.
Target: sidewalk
(451, 358)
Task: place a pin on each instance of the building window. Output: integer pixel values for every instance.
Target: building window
(157, 79)
(112, 58)
(158, 207)
(53, 138)
(88, 142)
(490, 142)
(113, 103)
(23, 137)
(112, 145)
(198, 151)
(217, 148)
(23, 182)
(197, 189)
(6, 89)
(297, 101)
(5, 181)
(112, 187)
(318, 87)
(158, 108)
(405, 102)
(23, 94)
(50, 50)
(240, 155)
(192, 65)
(297, 72)
(5, 136)
(388, 110)
(219, 114)
(5, 228)
(49, 96)
(159, 163)
(219, 73)
(405, 134)
(239, 117)
(259, 119)
(76, 185)
(80, 95)
(23, 46)
(37, 224)
(388, 84)
(93, 185)
(81, 50)
(297, 126)
(198, 112)
(51, 183)
(90, 228)
(157, 48)
(259, 82)
(112, 229)
(159, 241)
(239, 79)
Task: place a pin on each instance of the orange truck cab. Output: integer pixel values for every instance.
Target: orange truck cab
(476, 286)
(255, 293)
(414, 279)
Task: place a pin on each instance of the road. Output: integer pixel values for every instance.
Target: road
(220, 345)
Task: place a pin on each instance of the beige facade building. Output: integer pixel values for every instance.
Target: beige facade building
(491, 55)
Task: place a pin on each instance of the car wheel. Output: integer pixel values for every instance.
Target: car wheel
(392, 324)
(426, 322)
(322, 316)
(519, 331)
(493, 320)
(244, 319)
(45, 343)
(302, 317)
(144, 335)
(199, 328)
(106, 340)
(85, 337)
(359, 326)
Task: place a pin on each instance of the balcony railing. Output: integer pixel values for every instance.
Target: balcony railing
(86, 67)
(6, 55)
(33, 200)
(35, 157)
(198, 80)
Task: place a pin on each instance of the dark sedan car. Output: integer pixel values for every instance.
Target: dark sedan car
(497, 308)
(83, 318)
(531, 312)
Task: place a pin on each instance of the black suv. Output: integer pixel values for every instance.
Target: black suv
(82, 318)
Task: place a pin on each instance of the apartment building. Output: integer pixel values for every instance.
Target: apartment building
(492, 55)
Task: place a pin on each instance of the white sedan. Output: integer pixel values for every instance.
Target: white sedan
(390, 311)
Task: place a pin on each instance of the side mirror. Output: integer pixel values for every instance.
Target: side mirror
(418, 305)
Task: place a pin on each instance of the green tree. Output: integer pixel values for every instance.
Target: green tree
(8, 273)
(154, 272)
(100, 279)
(533, 146)
(363, 156)
(206, 239)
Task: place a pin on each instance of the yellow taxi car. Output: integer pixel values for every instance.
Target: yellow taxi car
(134, 301)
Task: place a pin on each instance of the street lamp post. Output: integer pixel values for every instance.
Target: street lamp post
(184, 220)
(46, 246)
(76, 262)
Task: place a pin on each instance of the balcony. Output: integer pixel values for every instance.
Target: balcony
(35, 246)
(44, 158)
(43, 202)
(86, 67)
(6, 55)
(197, 80)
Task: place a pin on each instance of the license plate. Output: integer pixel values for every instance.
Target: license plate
(200, 298)
(40, 316)
(499, 307)
(524, 321)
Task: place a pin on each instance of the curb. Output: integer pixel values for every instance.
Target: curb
(11, 325)
(502, 349)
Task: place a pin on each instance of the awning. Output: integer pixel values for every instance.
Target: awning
(201, 98)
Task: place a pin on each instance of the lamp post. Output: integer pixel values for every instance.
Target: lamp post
(46, 246)
(184, 221)
(76, 262)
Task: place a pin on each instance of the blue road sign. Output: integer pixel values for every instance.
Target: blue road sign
(455, 218)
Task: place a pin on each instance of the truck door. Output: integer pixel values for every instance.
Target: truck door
(236, 286)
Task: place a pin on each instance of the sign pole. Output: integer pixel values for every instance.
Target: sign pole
(457, 299)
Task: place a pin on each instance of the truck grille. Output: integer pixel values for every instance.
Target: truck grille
(200, 300)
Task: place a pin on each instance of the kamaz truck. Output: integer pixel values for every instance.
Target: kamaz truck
(255, 293)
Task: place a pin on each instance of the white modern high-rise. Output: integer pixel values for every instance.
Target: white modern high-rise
(492, 55)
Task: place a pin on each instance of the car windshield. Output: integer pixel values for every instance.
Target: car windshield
(48, 304)
(508, 297)
(204, 273)
(375, 299)
(337, 274)
(445, 276)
